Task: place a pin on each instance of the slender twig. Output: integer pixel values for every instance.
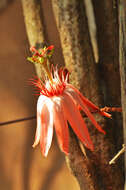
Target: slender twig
(111, 109)
(92, 28)
(112, 161)
(17, 120)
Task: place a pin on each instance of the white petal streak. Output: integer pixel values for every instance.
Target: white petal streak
(47, 126)
(38, 131)
(77, 123)
(40, 104)
(44, 131)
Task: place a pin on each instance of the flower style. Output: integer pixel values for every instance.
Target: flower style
(59, 103)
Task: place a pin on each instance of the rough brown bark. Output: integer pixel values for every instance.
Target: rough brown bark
(106, 13)
(122, 61)
(77, 50)
(80, 165)
(72, 25)
(32, 16)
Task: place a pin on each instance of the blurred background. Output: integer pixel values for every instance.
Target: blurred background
(21, 166)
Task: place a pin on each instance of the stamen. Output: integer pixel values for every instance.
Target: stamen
(48, 71)
(42, 58)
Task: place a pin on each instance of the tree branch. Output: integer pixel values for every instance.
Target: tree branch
(34, 26)
(112, 161)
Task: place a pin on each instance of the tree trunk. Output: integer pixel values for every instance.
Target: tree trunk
(86, 75)
(122, 61)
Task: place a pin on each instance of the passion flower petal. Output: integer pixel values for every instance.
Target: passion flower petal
(84, 107)
(89, 103)
(61, 127)
(46, 129)
(77, 123)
